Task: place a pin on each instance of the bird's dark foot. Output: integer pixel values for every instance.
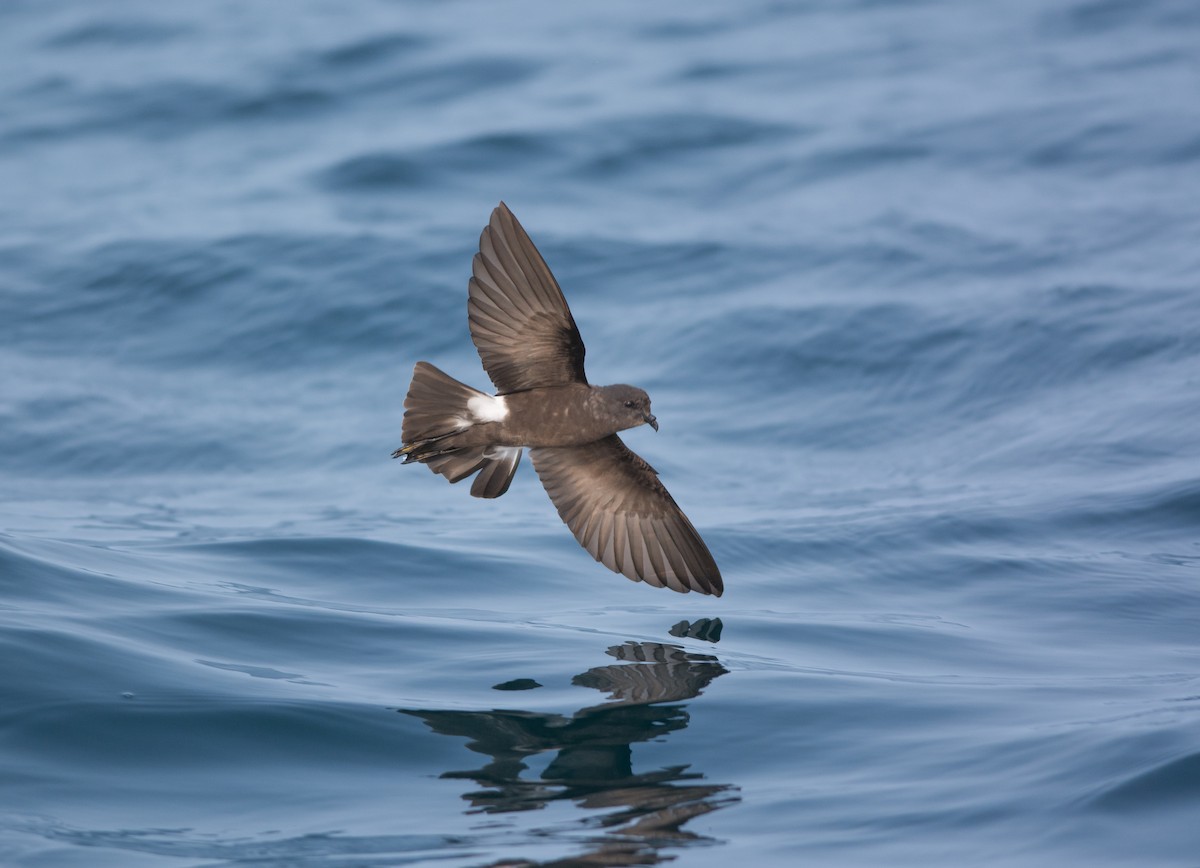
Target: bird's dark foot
(422, 451)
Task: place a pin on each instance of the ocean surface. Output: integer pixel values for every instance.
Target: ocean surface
(915, 288)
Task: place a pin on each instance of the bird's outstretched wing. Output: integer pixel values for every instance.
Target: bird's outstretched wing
(615, 505)
(520, 322)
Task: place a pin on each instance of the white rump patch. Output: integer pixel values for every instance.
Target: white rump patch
(485, 408)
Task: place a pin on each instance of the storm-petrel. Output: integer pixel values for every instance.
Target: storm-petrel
(608, 496)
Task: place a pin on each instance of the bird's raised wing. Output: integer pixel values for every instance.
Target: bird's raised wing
(615, 505)
(520, 322)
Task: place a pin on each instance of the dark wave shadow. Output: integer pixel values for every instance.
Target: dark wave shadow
(644, 812)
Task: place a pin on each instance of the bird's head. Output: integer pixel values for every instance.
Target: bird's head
(630, 405)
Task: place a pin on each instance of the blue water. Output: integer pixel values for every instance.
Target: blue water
(915, 288)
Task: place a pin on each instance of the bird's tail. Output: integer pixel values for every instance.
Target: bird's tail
(435, 417)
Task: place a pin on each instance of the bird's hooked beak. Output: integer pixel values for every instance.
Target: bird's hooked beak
(651, 421)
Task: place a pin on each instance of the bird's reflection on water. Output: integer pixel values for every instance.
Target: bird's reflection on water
(644, 812)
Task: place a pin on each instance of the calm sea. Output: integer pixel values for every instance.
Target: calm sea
(915, 287)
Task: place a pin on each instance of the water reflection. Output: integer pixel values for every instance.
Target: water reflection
(644, 812)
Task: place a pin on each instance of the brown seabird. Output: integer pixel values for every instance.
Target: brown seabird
(607, 495)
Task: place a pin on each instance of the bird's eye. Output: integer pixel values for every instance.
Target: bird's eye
(630, 404)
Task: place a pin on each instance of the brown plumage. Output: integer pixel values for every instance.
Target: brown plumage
(607, 495)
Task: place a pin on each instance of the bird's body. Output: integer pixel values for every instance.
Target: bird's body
(610, 498)
(569, 415)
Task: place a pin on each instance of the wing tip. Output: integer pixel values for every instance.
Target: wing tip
(499, 214)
